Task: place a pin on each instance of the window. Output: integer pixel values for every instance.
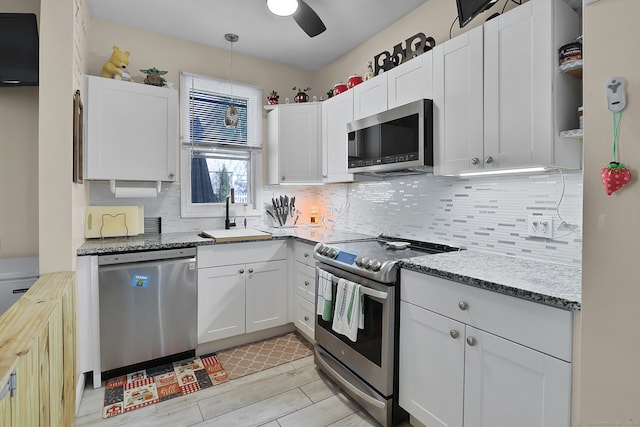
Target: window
(220, 135)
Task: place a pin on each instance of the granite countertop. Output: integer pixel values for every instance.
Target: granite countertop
(543, 282)
(146, 242)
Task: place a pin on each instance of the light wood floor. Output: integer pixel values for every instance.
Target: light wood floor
(295, 394)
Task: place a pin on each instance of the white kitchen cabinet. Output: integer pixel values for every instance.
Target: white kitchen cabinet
(236, 298)
(304, 289)
(493, 360)
(410, 81)
(336, 113)
(370, 97)
(527, 102)
(294, 144)
(458, 103)
(131, 131)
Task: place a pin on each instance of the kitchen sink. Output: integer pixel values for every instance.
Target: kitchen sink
(236, 235)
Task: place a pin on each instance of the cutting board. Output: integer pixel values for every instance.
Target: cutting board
(113, 221)
(236, 235)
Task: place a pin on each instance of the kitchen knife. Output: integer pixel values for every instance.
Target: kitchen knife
(286, 205)
(274, 218)
(292, 206)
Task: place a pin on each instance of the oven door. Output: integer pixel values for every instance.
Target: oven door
(371, 356)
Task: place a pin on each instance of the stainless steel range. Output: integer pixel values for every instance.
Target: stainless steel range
(366, 368)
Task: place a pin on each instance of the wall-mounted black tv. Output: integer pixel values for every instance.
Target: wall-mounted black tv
(19, 50)
(469, 9)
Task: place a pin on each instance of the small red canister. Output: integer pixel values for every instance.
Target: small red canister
(354, 80)
(339, 88)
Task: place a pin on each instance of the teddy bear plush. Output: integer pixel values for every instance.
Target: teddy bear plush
(116, 66)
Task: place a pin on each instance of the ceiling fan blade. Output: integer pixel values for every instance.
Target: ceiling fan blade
(308, 19)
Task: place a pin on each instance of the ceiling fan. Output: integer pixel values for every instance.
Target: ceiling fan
(302, 13)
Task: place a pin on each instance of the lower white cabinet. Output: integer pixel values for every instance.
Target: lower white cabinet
(234, 299)
(304, 289)
(455, 374)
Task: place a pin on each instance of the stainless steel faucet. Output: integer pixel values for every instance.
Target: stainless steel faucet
(227, 223)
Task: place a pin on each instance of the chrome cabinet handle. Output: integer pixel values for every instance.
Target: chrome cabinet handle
(475, 161)
(306, 283)
(306, 255)
(306, 318)
(251, 270)
(454, 334)
(241, 271)
(471, 341)
(488, 159)
(463, 305)
(282, 178)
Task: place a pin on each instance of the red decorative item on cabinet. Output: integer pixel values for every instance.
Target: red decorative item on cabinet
(354, 80)
(338, 88)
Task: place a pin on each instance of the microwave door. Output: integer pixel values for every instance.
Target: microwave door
(365, 145)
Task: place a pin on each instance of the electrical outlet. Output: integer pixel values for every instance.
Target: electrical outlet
(540, 226)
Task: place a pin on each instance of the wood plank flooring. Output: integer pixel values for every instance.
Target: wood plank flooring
(291, 395)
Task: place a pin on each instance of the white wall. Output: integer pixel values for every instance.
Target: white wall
(610, 286)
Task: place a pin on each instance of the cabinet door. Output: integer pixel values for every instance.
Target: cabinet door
(297, 145)
(431, 366)
(336, 113)
(267, 292)
(370, 97)
(458, 108)
(411, 81)
(221, 302)
(132, 131)
(508, 385)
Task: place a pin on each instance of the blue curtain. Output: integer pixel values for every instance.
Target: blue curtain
(201, 188)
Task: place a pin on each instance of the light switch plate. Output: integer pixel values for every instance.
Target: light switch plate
(540, 226)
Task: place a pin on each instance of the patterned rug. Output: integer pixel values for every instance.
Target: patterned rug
(157, 384)
(150, 386)
(255, 357)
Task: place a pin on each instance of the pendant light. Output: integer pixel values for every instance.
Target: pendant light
(231, 115)
(282, 7)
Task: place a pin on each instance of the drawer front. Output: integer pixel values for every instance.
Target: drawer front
(305, 282)
(241, 253)
(304, 317)
(539, 326)
(304, 253)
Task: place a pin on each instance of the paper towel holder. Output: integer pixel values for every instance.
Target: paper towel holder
(135, 191)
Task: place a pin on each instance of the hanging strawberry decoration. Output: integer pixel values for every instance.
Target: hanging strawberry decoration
(615, 175)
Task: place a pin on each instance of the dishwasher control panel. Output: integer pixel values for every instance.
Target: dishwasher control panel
(163, 254)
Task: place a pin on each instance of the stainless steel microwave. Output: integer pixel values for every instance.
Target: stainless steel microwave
(397, 141)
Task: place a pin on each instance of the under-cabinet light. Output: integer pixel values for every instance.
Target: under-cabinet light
(502, 171)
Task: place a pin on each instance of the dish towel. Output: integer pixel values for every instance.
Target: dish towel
(348, 317)
(324, 307)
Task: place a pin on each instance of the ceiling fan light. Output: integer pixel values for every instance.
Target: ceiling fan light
(282, 7)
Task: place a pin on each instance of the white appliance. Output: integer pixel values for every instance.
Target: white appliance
(16, 277)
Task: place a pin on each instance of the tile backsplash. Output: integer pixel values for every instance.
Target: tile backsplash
(487, 214)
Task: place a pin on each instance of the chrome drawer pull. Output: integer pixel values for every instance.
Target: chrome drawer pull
(463, 305)
(454, 334)
(471, 341)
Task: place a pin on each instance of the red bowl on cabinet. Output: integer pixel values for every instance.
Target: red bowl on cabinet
(354, 80)
(339, 88)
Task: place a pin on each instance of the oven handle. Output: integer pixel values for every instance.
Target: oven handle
(373, 292)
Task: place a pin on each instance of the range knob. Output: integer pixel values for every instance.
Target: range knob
(333, 253)
(375, 265)
(320, 249)
(366, 262)
(325, 250)
(359, 260)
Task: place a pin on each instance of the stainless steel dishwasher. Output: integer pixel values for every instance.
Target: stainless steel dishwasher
(147, 306)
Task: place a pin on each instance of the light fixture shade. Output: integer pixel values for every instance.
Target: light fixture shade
(282, 7)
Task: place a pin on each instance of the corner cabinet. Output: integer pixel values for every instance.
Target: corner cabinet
(494, 360)
(237, 298)
(293, 144)
(131, 131)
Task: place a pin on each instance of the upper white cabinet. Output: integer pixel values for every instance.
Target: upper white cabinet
(458, 102)
(410, 81)
(489, 362)
(500, 101)
(527, 101)
(293, 143)
(370, 97)
(131, 131)
(336, 113)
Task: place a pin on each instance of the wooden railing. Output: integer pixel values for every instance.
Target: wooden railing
(37, 355)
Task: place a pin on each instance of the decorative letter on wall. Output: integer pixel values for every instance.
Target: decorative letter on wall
(413, 46)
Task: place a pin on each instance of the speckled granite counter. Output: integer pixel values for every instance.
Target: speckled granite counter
(547, 283)
(147, 242)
